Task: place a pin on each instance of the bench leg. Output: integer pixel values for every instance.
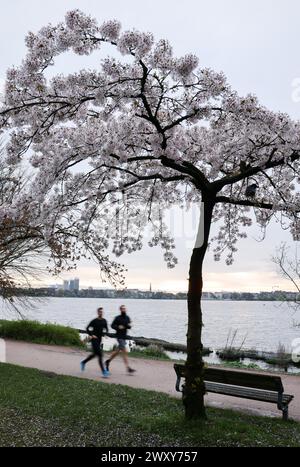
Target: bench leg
(285, 412)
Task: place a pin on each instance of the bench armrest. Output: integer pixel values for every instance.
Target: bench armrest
(177, 386)
(280, 400)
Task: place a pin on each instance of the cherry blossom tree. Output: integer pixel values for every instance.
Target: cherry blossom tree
(141, 133)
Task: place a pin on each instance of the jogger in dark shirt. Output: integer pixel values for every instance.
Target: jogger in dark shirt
(120, 324)
(96, 330)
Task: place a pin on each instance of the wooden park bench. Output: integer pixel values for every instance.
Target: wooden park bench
(242, 384)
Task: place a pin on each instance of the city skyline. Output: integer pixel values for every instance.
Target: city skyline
(59, 291)
(68, 285)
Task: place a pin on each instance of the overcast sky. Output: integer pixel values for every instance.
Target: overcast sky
(256, 44)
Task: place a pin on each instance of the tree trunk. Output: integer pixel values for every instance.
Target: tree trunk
(193, 397)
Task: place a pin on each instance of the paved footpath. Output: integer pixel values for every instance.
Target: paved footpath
(151, 374)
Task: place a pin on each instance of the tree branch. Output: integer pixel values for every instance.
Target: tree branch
(253, 204)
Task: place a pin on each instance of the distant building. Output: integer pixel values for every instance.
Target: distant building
(55, 287)
(218, 295)
(71, 285)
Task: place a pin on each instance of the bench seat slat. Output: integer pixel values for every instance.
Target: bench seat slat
(246, 393)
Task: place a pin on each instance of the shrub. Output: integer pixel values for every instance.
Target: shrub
(152, 351)
(246, 366)
(33, 331)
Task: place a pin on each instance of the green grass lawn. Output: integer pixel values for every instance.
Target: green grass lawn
(43, 409)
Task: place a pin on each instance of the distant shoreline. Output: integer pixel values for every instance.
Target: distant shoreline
(137, 294)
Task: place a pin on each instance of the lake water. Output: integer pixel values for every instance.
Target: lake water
(263, 325)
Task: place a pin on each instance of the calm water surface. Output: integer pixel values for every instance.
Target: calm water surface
(263, 325)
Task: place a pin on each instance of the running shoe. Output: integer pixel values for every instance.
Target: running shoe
(82, 366)
(105, 374)
(131, 370)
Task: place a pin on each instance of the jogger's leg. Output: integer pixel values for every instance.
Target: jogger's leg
(90, 357)
(96, 344)
(100, 359)
(114, 354)
(125, 357)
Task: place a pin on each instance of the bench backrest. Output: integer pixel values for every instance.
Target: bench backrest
(238, 378)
